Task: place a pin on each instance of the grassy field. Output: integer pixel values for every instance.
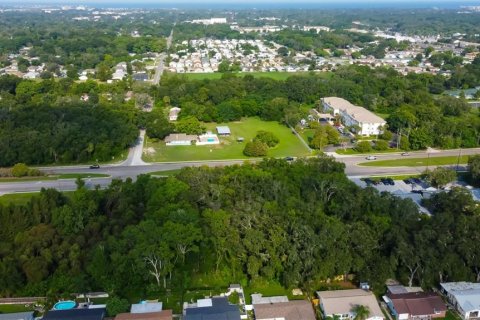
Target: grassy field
(229, 148)
(56, 177)
(23, 198)
(416, 162)
(13, 308)
(349, 151)
(271, 75)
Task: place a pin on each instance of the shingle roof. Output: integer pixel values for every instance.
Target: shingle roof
(358, 113)
(146, 307)
(163, 315)
(17, 316)
(343, 301)
(75, 314)
(418, 303)
(292, 310)
(220, 310)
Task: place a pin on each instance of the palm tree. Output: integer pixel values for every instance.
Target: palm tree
(361, 312)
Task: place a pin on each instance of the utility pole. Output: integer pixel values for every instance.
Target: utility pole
(458, 158)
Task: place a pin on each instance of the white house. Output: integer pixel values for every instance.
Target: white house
(173, 113)
(465, 296)
(368, 122)
(180, 139)
(342, 303)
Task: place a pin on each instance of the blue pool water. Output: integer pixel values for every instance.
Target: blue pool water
(65, 305)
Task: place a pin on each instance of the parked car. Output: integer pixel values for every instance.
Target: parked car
(418, 191)
(416, 180)
(405, 154)
(384, 181)
(371, 158)
(95, 166)
(407, 181)
(368, 181)
(289, 158)
(390, 181)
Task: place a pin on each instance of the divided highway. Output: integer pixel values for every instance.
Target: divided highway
(132, 167)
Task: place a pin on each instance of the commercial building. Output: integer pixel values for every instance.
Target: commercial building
(342, 303)
(366, 122)
(464, 296)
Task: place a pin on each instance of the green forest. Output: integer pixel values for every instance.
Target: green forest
(292, 223)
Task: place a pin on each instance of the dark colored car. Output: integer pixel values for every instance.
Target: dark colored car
(416, 180)
(368, 181)
(289, 158)
(408, 181)
(390, 181)
(384, 181)
(95, 166)
(418, 191)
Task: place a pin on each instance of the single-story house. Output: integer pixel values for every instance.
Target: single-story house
(162, 315)
(258, 298)
(140, 76)
(17, 316)
(342, 303)
(464, 296)
(217, 308)
(290, 310)
(415, 305)
(173, 113)
(146, 307)
(223, 131)
(180, 139)
(76, 314)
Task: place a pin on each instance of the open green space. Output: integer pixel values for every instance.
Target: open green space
(272, 75)
(13, 308)
(22, 198)
(229, 148)
(349, 151)
(56, 177)
(417, 162)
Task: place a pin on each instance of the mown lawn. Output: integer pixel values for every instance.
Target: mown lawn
(56, 177)
(351, 151)
(229, 148)
(22, 198)
(13, 308)
(272, 75)
(416, 162)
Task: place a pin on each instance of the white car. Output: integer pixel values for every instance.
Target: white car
(371, 158)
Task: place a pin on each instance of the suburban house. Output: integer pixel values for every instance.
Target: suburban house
(277, 308)
(223, 131)
(146, 307)
(342, 303)
(140, 76)
(367, 122)
(17, 316)
(415, 305)
(464, 296)
(76, 314)
(217, 308)
(173, 113)
(146, 310)
(180, 139)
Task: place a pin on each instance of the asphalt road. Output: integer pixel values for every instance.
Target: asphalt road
(161, 61)
(130, 170)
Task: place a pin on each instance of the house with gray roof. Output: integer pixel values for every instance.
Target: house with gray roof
(217, 308)
(17, 316)
(464, 296)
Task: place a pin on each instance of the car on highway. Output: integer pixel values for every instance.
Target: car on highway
(405, 154)
(371, 158)
(95, 166)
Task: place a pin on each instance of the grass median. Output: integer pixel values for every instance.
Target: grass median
(56, 177)
(417, 162)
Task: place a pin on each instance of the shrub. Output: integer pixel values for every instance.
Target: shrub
(381, 145)
(20, 170)
(364, 146)
(267, 137)
(255, 148)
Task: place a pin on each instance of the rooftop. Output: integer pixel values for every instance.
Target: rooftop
(291, 310)
(180, 137)
(75, 314)
(343, 301)
(220, 309)
(146, 307)
(17, 316)
(417, 303)
(358, 113)
(258, 299)
(162, 315)
(467, 294)
(223, 130)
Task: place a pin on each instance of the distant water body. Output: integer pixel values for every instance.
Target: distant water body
(280, 5)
